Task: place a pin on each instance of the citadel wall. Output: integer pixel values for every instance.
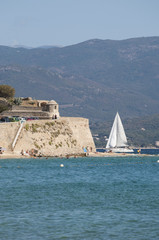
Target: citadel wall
(49, 137)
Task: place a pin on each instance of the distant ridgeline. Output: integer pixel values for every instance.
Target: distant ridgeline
(92, 79)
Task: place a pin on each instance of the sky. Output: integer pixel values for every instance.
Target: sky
(66, 22)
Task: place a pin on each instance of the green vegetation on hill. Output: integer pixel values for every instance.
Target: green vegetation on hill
(93, 79)
(141, 132)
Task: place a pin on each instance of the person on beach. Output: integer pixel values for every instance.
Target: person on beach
(139, 151)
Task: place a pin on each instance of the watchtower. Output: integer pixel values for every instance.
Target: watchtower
(53, 109)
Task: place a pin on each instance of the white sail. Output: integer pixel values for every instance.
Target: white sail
(117, 136)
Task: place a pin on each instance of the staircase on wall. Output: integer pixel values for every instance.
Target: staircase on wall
(17, 135)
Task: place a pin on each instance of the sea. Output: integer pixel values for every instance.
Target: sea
(111, 198)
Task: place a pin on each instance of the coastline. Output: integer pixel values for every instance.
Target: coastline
(93, 154)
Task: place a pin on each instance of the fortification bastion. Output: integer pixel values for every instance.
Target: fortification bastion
(58, 137)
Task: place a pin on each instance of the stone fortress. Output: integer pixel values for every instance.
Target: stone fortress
(41, 109)
(50, 135)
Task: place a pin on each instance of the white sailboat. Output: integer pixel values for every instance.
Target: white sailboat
(117, 141)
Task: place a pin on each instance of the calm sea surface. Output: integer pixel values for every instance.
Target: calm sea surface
(88, 198)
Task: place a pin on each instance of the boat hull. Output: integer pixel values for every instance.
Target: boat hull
(121, 150)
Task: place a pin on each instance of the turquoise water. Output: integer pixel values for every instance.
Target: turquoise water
(88, 198)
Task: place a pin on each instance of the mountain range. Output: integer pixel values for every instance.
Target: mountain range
(92, 79)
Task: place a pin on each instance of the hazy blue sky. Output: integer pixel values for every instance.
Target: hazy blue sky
(66, 22)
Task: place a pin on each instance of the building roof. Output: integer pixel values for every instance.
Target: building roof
(52, 102)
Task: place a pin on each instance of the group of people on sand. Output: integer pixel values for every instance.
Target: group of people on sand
(32, 153)
(25, 153)
(87, 150)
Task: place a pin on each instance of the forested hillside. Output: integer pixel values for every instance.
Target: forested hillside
(92, 79)
(141, 132)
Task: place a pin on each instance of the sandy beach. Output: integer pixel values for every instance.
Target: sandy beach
(10, 155)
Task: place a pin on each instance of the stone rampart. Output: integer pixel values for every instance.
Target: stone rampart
(7, 134)
(49, 137)
(21, 108)
(27, 113)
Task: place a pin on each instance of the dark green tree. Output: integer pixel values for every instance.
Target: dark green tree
(7, 91)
